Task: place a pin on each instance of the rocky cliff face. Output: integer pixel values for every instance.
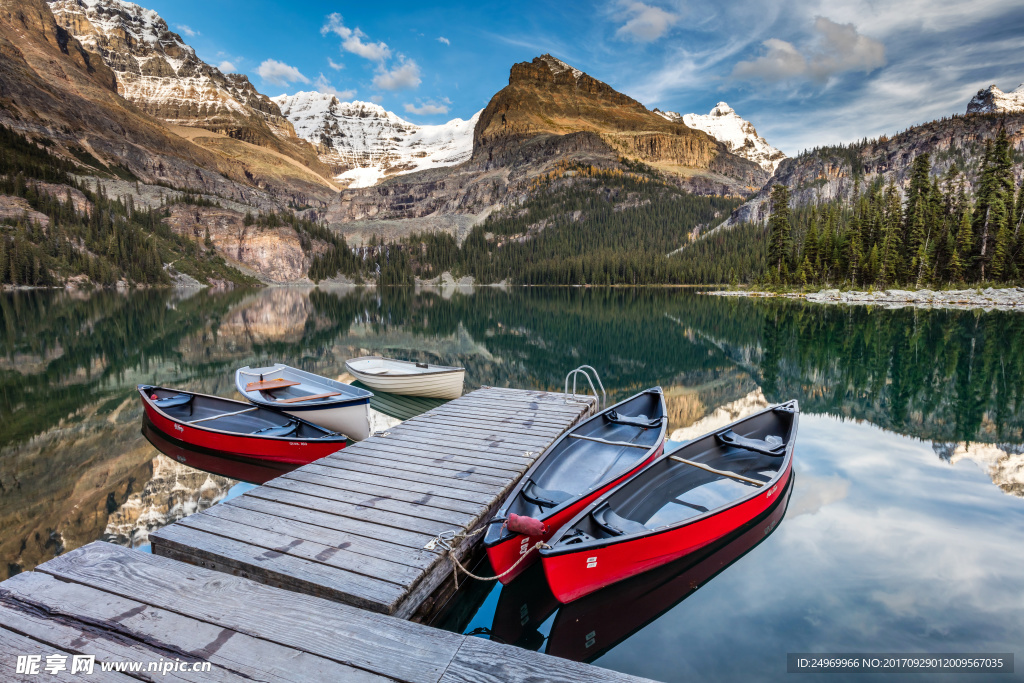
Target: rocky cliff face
(274, 255)
(738, 134)
(156, 70)
(992, 100)
(831, 173)
(362, 142)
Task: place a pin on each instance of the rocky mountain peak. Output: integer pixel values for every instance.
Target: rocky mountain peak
(557, 66)
(992, 100)
(363, 142)
(738, 134)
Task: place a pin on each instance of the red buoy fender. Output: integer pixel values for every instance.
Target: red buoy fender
(527, 526)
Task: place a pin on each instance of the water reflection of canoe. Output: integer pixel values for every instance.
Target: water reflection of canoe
(583, 463)
(220, 425)
(407, 377)
(588, 628)
(680, 503)
(233, 467)
(323, 401)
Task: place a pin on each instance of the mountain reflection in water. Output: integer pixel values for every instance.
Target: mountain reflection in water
(74, 466)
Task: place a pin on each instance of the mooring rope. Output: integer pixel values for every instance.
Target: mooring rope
(447, 540)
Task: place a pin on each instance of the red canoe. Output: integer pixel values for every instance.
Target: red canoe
(683, 501)
(591, 459)
(221, 426)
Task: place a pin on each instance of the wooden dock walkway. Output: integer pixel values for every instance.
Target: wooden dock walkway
(122, 605)
(352, 527)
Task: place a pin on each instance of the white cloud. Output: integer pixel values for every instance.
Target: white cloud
(352, 40)
(837, 48)
(187, 30)
(644, 23)
(429, 107)
(324, 85)
(279, 73)
(402, 77)
(442, 39)
(335, 65)
(376, 99)
(227, 67)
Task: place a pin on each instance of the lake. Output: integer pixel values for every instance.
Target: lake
(903, 530)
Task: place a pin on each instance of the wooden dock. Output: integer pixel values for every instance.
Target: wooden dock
(352, 527)
(124, 606)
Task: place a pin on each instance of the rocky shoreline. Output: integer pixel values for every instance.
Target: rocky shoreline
(1008, 299)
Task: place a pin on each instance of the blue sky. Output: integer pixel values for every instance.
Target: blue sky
(805, 72)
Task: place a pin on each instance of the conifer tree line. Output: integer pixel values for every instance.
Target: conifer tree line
(934, 236)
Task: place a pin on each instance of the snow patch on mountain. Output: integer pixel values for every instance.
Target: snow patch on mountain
(364, 143)
(557, 66)
(992, 100)
(738, 134)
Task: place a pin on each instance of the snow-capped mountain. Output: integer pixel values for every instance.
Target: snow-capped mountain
(156, 70)
(738, 134)
(992, 100)
(363, 142)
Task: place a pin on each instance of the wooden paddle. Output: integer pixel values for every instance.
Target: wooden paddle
(270, 385)
(701, 466)
(299, 399)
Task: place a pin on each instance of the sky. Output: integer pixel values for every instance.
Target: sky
(804, 72)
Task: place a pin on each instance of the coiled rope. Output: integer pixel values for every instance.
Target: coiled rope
(449, 540)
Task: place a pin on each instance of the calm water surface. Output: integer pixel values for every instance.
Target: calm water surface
(904, 530)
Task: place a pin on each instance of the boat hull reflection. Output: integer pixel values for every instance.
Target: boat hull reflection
(239, 468)
(591, 626)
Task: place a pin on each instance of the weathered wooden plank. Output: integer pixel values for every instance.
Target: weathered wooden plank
(511, 462)
(483, 661)
(404, 528)
(535, 395)
(449, 461)
(378, 502)
(522, 417)
(369, 539)
(472, 472)
(346, 484)
(312, 547)
(453, 483)
(384, 645)
(14, 644)
(505, 403)
(507, 423)
(429, 443)
(483, 434)
(83, 620)
(375, 479)
(276, 568)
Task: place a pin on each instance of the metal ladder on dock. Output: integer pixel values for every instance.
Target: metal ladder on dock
(596, 403)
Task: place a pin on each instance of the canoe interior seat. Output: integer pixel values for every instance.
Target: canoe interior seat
(614, 524)
(172, 401)
(770, 445)
(375, 371)
(282, 430)
(641, 421)
(548, 498)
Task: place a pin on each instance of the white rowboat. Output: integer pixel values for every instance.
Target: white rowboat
(328, 403)
(407, 377)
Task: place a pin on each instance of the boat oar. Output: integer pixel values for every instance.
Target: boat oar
(698, 465)
(217, 417)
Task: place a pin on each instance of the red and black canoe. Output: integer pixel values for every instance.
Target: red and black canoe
(582, 464)
(241, 430)
(681, 502)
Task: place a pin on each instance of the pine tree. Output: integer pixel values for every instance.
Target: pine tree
(779, 230)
